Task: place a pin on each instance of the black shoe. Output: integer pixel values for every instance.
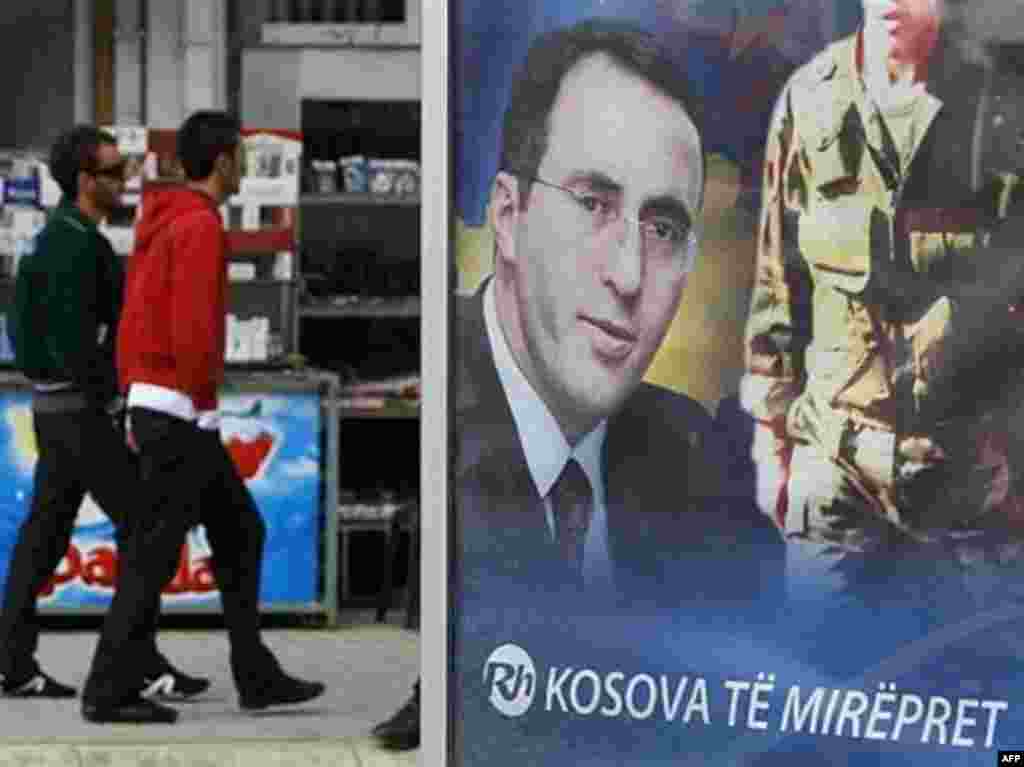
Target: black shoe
(402, 731)
(279, 690)
(136, 710)
(41, 685)
(409, 709)
(172, 684)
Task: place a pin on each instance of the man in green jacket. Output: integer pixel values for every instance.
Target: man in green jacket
(67, 300)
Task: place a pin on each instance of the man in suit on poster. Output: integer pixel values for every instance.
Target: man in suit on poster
(594, 212)
(576, 481)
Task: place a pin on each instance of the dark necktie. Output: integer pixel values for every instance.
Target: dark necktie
(571, 502)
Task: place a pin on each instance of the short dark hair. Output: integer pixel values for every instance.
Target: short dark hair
(76, 150)
(202, 138)
(552, 56)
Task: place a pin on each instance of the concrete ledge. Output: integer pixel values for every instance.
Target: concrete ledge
(332, 752)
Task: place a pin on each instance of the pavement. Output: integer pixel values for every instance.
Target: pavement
(369, 670)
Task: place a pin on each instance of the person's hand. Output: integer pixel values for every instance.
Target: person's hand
(884, 461)
(920, 450)
(953, 484)
(875, 457)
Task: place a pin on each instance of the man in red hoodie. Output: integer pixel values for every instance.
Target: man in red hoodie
(170, 353)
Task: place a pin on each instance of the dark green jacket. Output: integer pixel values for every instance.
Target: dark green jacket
(67, 300)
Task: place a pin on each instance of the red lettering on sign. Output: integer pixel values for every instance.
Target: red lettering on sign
(194, 577)
(98, 568)
(202, 576)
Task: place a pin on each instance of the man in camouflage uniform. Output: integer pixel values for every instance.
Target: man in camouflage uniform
(877, 295)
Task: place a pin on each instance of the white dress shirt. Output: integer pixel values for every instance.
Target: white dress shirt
(547, 450)
(171, 402)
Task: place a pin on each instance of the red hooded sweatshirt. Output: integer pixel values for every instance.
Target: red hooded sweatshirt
(171, 332)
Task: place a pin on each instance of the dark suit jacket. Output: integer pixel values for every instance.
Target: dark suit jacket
(683, 559)
(671, 538)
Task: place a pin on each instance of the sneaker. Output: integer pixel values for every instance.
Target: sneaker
(132, 711)
(41, 685)
(171, 684)
(402, 731)
(279, 690)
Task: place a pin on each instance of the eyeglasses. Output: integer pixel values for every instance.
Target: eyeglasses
(666, 231)
(115, 172)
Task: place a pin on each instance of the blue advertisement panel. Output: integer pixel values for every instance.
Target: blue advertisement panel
(274, 440)
(737, 383)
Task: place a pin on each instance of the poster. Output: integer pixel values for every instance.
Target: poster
(133, 143)
(272, 169)
(736, 384)
(274, 441)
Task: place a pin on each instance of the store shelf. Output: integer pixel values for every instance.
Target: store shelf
(262, 366)
(402, 410)
(260, 282)
(359, 257)
(371, 308)
(352, 198)
(372, 513)
(360, 34)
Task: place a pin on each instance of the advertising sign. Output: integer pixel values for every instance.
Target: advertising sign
(133, 143)
(274, 440)
(736, 400)
(273, 162)
(22, 184)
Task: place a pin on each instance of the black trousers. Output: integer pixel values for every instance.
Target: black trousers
(79, 452)
(188, 478)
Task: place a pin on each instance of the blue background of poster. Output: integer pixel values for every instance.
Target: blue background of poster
(735, 53)
(285, 485)
(719, 645)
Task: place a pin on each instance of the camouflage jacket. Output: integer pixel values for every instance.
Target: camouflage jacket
(863, 254)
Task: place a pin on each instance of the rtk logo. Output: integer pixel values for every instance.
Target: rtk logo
(512, 679)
